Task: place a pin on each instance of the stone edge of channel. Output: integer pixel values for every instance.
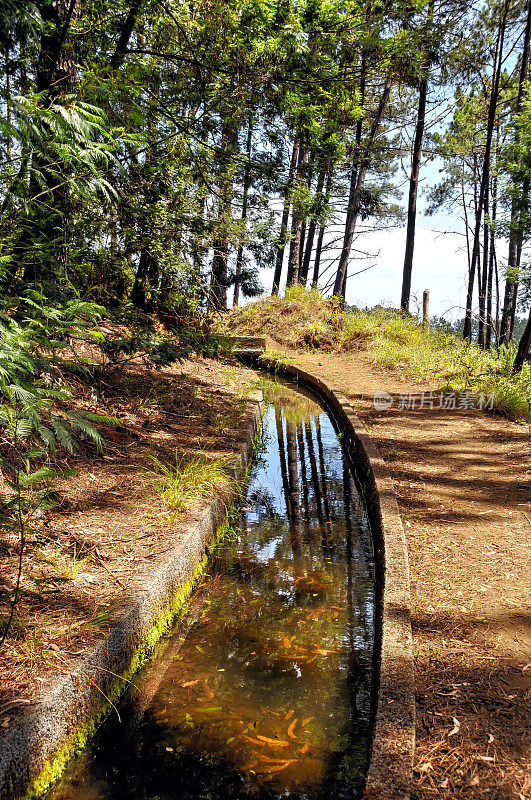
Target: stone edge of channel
(390, 770)
(36, 750)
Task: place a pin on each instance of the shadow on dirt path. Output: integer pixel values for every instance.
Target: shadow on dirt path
(463, 481)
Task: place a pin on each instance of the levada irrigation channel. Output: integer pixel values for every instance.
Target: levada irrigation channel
(266, 690)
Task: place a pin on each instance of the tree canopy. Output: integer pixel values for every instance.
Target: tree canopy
(163, 154)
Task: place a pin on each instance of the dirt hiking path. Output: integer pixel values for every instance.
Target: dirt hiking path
(463, 481)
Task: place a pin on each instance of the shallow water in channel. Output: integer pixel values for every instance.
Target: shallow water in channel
(266, 690)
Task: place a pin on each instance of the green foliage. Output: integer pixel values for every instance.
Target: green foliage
(159, 348)
(189, 480)
(275, 360)
(66, 151)
(122, 170)
(36, 417)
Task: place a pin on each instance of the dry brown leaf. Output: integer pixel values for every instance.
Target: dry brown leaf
(272, 742)
(291, 728)
(278, 767)
(455, 729)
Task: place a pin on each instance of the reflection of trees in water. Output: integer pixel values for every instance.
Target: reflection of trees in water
(282, 457)
(347, 491)
(263, 503)
(315, 476)
(294, 496)
(322, 472)
(296, 406)
(318, 488)
(304, 480)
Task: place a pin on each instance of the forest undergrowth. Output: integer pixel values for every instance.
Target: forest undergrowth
(108, 403)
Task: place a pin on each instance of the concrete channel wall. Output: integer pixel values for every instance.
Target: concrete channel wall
(35, 750)
(391, 763)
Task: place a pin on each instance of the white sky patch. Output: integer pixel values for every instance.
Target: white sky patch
(439, 264)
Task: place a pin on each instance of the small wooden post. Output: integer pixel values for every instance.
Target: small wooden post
(426, 308)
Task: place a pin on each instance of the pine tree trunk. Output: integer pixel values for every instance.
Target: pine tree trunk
(296, 224)
(246, 186)
(301, 251)
(285, 217)
(492, 256)
(524, 349)
(485, 172)
(414, 176)
(125, 34)
(465, 214)
(303, 278)
(146, 271)
(483, 277)
(322, 227)
(412, 200)
(518, 209)
(518, 213)
(357, 182)
(294, 250)
(217, 297)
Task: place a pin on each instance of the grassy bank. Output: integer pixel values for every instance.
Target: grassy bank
(305, 320)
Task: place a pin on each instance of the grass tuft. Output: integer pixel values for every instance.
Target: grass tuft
(189, 480)
(273, 359)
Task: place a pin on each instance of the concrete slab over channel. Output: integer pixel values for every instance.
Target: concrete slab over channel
(247, 348)
(35, 751)
(391, 763)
